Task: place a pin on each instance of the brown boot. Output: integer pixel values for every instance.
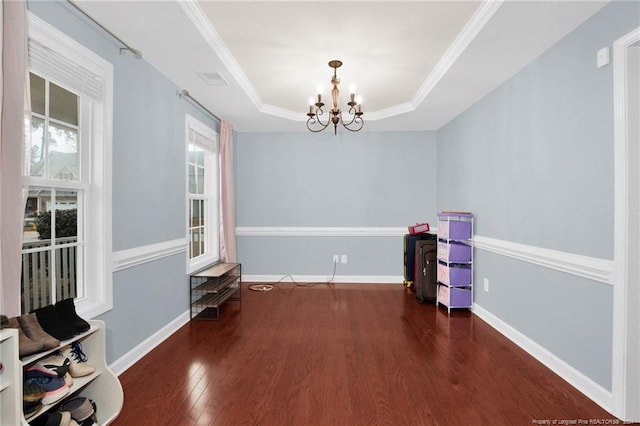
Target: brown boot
(33, 330)
(26, 346)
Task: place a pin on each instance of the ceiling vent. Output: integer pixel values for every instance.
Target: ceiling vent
(213, 78)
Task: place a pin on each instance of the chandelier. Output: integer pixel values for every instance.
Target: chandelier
(353, 121)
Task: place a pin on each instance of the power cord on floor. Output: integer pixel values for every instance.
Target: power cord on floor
(297, 284)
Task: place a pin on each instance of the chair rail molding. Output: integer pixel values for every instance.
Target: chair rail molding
(592, 268)
(128, 258)
(292, 231)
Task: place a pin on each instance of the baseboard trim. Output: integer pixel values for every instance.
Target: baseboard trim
(592, 268)
(591, 389)
(123, 363)
(128, 258)
(355, 279)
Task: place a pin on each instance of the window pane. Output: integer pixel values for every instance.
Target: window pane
(37, 94)
(200, 180)
(37, 147)
(195, 213)
(36, 268)
(201, 240)
(195, 244)
(202, 210)
(63, 105)
(66, 275)
(192, 154)
(37, 220)
(196, 155)
(192, 179)
(66, 216)
(63, 152)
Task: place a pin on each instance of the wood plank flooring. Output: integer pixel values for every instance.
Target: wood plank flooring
(344, 354)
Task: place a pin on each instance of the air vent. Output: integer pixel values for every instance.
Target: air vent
(212, 78)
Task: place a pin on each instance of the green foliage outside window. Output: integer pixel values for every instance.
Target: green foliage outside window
(66, 224)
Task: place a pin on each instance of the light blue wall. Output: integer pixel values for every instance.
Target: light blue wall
(366, 179)
(148, 183)
(534, 161)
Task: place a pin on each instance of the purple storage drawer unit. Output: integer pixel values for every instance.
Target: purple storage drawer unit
(454, 251)
(454, 297)
(458, 275)
(454, 226)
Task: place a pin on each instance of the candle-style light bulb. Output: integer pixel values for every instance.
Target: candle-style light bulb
(352, 89)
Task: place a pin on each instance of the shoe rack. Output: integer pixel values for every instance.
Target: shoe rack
(212, 287)
(103, 386)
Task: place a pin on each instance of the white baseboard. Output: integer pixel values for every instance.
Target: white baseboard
(362, 279)
(591, 389)
(134, 355)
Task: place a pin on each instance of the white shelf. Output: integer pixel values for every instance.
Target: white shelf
(102, 386)
(10, 379)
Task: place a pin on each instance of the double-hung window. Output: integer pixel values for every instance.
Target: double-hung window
(67, 228)
(203, 189)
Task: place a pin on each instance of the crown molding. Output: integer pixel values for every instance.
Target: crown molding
(199, 19)
(462, 41)
(480, 18)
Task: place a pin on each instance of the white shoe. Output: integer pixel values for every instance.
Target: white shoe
(78, 367)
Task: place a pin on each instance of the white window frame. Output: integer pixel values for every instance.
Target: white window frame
(212, 195)
(96, 169)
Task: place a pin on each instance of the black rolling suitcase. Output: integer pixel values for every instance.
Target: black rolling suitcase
(425, 271)
(410, 254)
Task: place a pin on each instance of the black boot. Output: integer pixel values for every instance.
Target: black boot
(67, 311)
(53, 324)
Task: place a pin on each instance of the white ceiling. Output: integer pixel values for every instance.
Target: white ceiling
(417, 64)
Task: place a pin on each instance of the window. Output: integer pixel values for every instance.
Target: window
(67, 228)
(203, 225)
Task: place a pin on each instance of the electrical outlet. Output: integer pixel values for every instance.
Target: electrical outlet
(335, 258)
(344, 259)
(485, 284)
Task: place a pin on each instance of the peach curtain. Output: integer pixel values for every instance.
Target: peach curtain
(14, 158)
(228, 251)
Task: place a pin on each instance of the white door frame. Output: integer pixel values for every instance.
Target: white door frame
(626, 291)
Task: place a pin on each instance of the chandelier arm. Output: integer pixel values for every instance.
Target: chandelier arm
(319, 114)
(353, 118)
(357, 120)
(313, 121)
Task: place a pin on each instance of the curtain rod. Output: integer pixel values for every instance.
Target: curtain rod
(185, 94)
(136, 53)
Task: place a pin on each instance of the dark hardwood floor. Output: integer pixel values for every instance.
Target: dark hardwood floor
(344, 355)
